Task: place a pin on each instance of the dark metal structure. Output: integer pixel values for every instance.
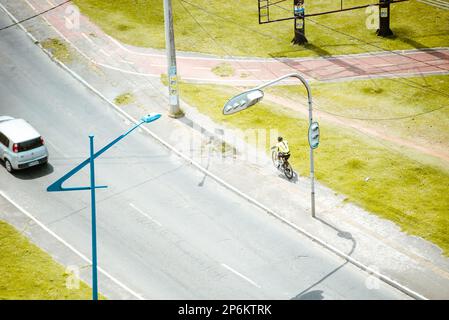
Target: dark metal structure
(299, 15)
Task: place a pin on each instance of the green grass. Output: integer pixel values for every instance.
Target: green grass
(386, 99)
(233, 27)
(58, 49)
(27, 272)
(223, 70)
(124, 99)
(411, 193)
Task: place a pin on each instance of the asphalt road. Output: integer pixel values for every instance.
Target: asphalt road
(160, 231)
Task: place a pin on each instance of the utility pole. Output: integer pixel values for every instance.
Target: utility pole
(384, 19)
(300, 22)
(173, 95)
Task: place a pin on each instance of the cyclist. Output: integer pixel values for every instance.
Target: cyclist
(282, 149)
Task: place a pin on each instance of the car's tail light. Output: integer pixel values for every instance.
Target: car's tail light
(42, 141)
(15, 148)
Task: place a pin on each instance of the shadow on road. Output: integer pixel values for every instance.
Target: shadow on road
(33, 172)
(306, 294)
(294, 179)
(311, 295)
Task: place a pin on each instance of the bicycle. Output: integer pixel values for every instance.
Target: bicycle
(282, 163)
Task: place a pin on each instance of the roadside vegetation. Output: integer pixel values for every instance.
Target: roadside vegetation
(233, 29)
(402, 187)
(58, 49)
(416, 109)
(28, 273)
(124, 99)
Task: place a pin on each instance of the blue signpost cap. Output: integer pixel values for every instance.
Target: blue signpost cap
(151, 117)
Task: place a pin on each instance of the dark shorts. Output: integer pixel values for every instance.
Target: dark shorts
(286, 156)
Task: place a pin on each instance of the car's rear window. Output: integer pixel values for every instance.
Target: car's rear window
(30, 144)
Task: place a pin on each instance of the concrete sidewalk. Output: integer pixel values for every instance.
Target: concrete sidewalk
(375, 242)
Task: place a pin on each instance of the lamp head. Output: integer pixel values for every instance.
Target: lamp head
(151, 117)
(242, 101)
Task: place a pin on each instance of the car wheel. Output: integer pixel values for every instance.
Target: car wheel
(8, 166)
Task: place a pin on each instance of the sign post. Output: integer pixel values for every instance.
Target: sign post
(384, 19)
(300, 22)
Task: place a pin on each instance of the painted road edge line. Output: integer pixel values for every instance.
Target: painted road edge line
(336, 251)
(82, 256)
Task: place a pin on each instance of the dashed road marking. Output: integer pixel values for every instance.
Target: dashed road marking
(249, 70)
(87, 38)
(105, 53)
(126, 61)
(145, 215)
(31, 6)
(241, 275)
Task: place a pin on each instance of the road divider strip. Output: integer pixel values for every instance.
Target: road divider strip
(195, 164)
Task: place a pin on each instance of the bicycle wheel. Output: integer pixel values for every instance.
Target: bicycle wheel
(288, 171)
(274, 157)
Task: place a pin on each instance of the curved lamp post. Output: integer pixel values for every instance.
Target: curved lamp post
(57, 186)
(251, 97)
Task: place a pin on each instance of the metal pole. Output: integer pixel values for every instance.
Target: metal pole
(384, 19)
(174, 110)
(309, 97)
(312, 167)
(94, 225)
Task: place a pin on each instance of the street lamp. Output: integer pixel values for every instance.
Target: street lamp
(249, 98)
(57, 186)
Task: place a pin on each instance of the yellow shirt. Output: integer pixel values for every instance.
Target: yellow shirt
(283, 146)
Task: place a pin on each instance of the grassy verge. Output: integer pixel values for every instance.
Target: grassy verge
(27, 272)
(59, 49)
(233, 29)
(124, 99)
(410, 193)
(394, 101)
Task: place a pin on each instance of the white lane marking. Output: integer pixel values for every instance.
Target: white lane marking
(50, 3)
(56, 148)
(105, 53)
(29, 215)
(146, 215)
(249, 70)
(32, 7)
(126, 61)
(241, 275)
(383, 65)
(87, 38)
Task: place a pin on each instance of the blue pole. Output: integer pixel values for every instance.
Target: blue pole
(94, 224)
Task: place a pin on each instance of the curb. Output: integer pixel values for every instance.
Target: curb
(125, 115)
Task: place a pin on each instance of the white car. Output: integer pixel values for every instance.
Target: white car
(21, 146)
